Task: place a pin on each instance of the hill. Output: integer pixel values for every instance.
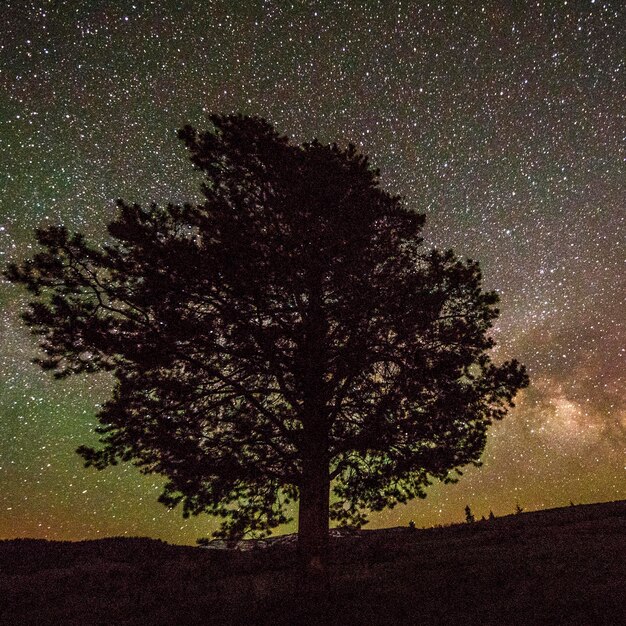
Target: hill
(559, 566)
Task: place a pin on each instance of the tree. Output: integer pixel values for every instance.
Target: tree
(287, 336)
(469, 516)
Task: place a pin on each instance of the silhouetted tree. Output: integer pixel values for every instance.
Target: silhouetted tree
(518, 509)
(491, 516)
(469, 516)
(286, 337)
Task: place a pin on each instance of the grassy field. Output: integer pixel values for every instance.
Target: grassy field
(560, 566)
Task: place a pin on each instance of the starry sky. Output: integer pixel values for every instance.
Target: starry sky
(504, 121)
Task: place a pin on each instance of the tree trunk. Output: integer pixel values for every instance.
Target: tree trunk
(313, 519)
(314, 486)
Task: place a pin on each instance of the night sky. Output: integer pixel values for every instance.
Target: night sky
(504, 122)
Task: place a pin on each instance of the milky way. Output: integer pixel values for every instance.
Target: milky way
(503, 121)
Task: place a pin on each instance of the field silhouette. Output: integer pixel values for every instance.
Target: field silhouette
(559, 566)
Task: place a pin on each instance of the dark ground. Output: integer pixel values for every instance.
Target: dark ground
(561, 566)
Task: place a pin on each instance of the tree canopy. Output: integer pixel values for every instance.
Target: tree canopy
(288, 336)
